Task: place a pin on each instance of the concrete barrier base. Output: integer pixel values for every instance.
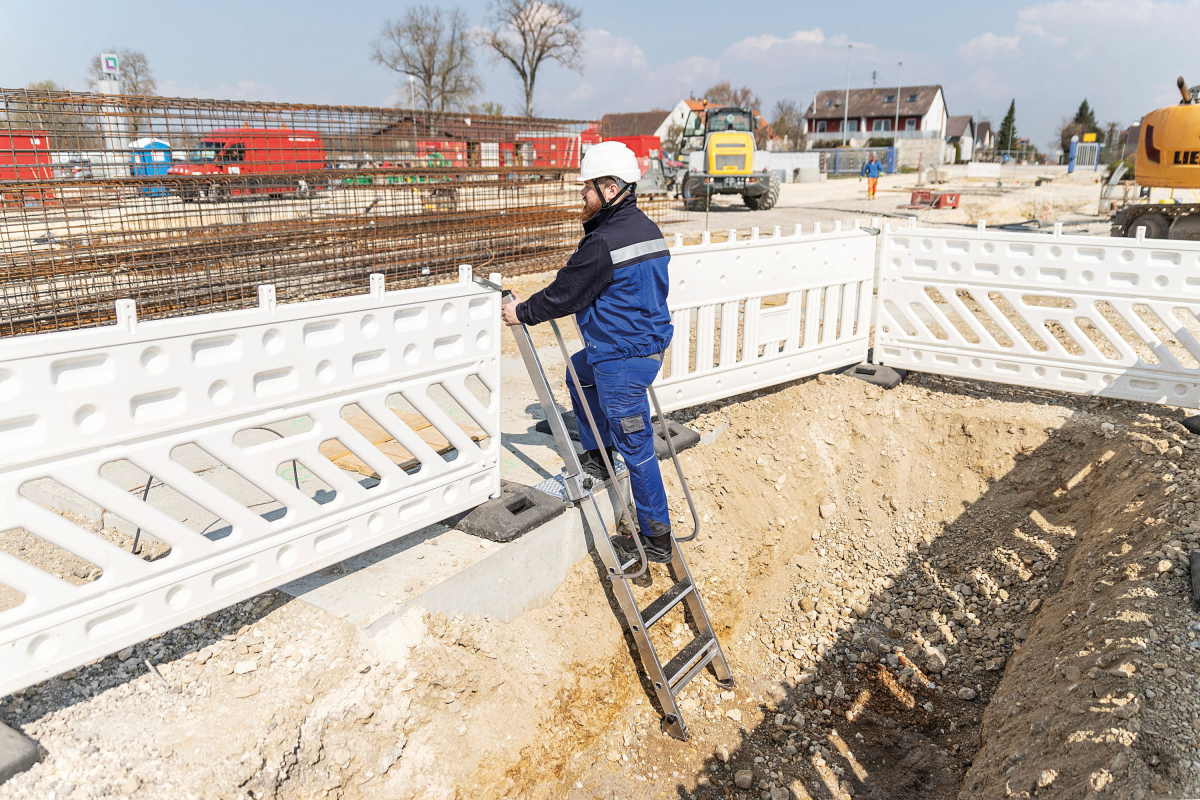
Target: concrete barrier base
(17, 752)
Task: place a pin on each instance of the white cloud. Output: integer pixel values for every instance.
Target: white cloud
(768, 40)
(989, 45)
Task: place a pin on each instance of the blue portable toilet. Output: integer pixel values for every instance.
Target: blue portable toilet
(150, 157)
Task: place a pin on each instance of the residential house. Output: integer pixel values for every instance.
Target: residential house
(638, 123)
(960, 136)
(676, 118)
(872, 113)
(1129, 139)
(985, 138)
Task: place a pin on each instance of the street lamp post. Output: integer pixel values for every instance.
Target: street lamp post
(846, 110)
(896, 124)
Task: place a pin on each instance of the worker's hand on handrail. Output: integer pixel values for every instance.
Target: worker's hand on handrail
(508, 311)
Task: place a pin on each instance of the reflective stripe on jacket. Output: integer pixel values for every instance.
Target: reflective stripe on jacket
(615, 283)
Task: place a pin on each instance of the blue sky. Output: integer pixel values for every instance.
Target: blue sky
(1123, 56)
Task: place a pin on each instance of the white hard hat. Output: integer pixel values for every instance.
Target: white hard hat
(610, 160)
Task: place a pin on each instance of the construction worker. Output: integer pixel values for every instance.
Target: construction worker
(615, 284)
(871, 170)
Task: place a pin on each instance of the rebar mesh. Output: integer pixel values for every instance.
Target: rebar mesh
(188, 205)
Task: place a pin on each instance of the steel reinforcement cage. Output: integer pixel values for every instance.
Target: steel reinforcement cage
(185, 204)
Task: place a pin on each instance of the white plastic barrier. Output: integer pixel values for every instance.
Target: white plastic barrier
(763, 311)
(983, 170)
(73, 404)
(1085, 314)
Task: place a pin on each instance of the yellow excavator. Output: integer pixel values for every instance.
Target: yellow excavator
(1168, 156)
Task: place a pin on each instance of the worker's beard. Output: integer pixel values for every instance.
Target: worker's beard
(591, 206)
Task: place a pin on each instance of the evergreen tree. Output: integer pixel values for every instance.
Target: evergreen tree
(1085, 117)
(1006, 138)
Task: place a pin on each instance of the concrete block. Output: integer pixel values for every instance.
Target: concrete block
(682, 436)
(518, 510)
(17, 752)
(877, 374)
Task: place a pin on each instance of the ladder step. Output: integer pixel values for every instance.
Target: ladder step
(659, 608)
(689, 661)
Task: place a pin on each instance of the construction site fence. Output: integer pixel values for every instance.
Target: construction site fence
(1015, 157)
(246, 448)
(754, 312)
(1083, 314)
(185, 204)
(850, 160)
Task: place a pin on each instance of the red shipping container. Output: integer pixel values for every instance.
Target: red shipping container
(642, 146)
(24, 156)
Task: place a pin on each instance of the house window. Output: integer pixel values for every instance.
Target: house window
(891, 98)
(852, 125)
(910, 124)
(883, 125)
(828, 103)
(912, 98)
(821, 126)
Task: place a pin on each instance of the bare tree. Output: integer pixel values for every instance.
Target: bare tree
(527, 33)
(38, 110)
(132, 68)
(434, 47)
(723, 94)
(488, 108)
(788, 121)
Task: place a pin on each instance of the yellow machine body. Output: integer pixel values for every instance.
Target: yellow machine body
(730, 153)
(1169, 150)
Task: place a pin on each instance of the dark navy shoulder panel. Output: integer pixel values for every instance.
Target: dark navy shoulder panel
(632, 237)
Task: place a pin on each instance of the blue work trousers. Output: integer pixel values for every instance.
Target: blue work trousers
(616, 394)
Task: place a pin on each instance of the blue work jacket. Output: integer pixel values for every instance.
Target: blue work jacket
(872, 169)
(615, 283)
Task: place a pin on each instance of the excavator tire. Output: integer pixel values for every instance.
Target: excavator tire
(767, 201)
(1160, 221)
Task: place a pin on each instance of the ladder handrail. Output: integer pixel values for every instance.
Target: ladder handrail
(687, 493)
(587, 412)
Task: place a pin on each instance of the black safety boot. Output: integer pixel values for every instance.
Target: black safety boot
(593, 463)
(658, 548)
(658, 545)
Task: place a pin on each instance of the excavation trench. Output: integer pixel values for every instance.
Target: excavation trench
(942, 590)
(928, 592)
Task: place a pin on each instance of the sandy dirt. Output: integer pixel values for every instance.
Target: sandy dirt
(987, 581)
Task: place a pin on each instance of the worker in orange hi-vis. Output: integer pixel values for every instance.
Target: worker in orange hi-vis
(871, 170)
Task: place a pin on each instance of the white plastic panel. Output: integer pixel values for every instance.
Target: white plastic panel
(1084, 314)
(764, 311)
(76, 402)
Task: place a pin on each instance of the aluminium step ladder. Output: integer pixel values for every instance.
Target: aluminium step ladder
(704, 650)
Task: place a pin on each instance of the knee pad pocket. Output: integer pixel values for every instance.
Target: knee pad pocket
(633, 424)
